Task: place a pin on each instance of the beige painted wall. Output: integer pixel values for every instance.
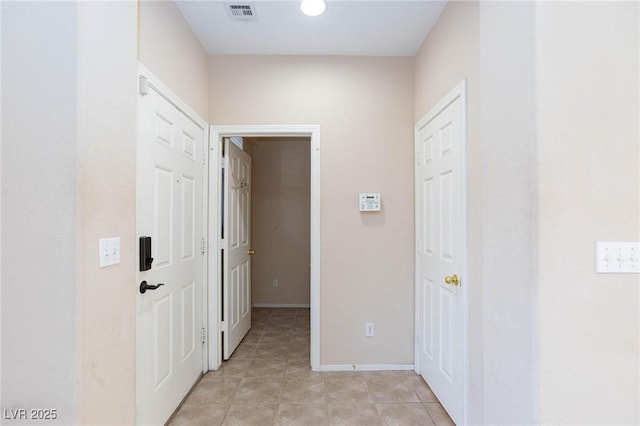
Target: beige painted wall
(38, 195)
(363, 105)
(170, 50)
(437, 69)
(509, 200)
(589, 184)
(280, 209)
(105, 207)
(69, 179)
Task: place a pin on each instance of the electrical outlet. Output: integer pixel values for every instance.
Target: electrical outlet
(276, 283)
(368, 329)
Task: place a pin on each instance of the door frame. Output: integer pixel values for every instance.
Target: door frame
(148, 81)
(216, 134)
(458, 92)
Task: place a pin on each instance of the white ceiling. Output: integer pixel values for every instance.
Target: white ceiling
(361, 27)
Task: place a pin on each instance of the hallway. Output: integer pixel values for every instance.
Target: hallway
(268, 381)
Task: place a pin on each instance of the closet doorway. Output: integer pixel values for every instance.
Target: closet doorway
(283, 227)
(280, 221)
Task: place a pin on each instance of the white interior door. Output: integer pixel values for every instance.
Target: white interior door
(237, 247)
(440, 252)
(169, 202)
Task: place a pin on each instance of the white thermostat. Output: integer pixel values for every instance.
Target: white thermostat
(369, 202)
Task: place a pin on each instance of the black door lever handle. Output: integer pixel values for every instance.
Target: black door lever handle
(144, 286)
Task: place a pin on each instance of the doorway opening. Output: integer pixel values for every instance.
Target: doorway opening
(284, 202)
(280, 225)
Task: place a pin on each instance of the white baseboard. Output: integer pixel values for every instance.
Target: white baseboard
(367, 367)
(281, 305)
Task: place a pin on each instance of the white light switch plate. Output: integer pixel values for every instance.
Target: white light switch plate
(109, 251)
(617, 256)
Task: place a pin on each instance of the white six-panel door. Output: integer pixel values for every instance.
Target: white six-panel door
(169, 203)
(237, 243)
(440, 205)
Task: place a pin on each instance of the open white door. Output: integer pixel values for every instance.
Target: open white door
(169, 203)
(236, 320)
(440, 228)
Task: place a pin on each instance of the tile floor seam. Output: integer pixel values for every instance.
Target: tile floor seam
(429, 414)
(225, 414)
(275, 328)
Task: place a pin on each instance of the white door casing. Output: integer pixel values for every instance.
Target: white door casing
(217, 134)
(440, 251)
(170, 209)
(237, 243)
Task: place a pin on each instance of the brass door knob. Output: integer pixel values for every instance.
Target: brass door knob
(251, 252)
(452, 279)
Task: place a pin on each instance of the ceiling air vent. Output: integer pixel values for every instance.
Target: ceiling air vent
(244, 11)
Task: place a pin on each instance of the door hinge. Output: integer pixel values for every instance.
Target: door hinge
(204, 335)
(143, 85)
(203, 246)
(223, 326)
(223, 244)
(418, 337)
(223, 163)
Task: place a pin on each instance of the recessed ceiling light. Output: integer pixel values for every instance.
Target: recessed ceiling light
(313, 7)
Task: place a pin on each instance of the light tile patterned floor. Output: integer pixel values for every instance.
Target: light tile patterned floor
(268, 381)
